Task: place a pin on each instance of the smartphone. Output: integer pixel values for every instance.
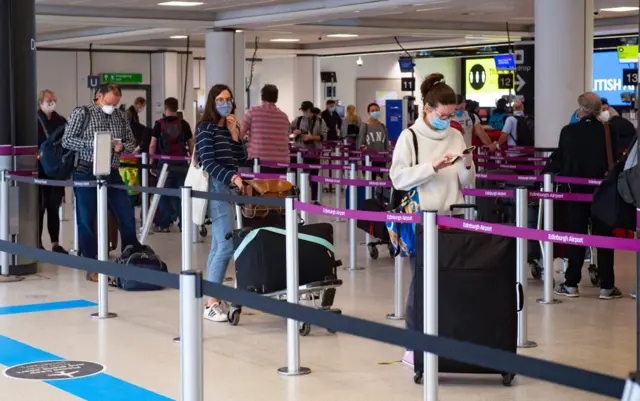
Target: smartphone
(454, 159)
(468, 150)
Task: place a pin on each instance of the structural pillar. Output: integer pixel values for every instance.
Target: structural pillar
(562, 65)
(18, 129)
(224, 64)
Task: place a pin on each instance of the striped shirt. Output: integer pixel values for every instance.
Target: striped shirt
(81, 140)
(268, 129)
(218, 154)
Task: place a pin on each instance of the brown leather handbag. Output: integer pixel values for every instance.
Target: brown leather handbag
(269, 189)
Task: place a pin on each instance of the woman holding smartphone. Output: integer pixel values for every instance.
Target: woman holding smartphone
(220, 152)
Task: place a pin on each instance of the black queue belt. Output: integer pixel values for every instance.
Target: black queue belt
(498, 360)
(52, 183)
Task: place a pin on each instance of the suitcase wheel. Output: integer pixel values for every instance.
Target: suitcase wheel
(373, 251)
(593, 275)
(203, 231)
(536, 270)
(234, 317)
(392, 252)
(417, 378)
(507, 378)
(305, 329)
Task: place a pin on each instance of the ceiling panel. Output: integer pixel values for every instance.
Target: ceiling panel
(209, 5)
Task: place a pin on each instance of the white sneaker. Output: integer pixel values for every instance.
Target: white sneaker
(215, 313)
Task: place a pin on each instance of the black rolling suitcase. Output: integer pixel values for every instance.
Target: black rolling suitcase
(261, 259)
(477, 291)
(376, 229)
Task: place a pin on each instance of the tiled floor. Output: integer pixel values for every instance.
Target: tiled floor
(241, 362)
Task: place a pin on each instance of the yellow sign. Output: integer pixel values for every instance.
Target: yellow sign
(628, 54)
(482, 81)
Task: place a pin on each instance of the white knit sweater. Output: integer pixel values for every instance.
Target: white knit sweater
(437, 190)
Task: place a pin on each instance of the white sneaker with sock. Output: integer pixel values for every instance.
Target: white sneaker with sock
(215, 313)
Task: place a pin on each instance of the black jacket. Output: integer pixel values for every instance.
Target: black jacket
(333, 122)
(582, 152)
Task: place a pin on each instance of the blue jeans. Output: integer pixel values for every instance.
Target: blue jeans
(222, 216)
(87, 209)
(170, 207)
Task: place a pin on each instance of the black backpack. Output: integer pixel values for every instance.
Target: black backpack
(525, 130)
(57, 162)
(139, 256)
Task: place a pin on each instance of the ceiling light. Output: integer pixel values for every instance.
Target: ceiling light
(178, 37)
(285, 40)
(181, 3)
(239, 31)
(474, 13)
(620, 9)
(342, 35)
(431, 9)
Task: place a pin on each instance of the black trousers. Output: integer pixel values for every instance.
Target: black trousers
(50, 201)
(578, 218)
(314, 185)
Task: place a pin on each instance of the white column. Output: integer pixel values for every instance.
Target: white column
(167, 81)
(224, 64)
(304, 88)
(589, 21)
(559, 64)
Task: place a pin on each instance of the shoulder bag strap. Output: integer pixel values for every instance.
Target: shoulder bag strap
(607, 139)
(415, 145)
(44, 127)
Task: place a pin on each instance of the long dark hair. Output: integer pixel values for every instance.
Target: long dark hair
(211, 114)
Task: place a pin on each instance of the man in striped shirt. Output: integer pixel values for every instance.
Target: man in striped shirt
(268, 129)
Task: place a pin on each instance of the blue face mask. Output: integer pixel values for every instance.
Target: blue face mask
(332, 109)
(375, 115)
(438, 124)
(518, 113)
(458, 113)
(224, 108)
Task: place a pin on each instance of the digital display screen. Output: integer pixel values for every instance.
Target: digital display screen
(481, 84)
(628, 54)
(504, 62)
(406, 65)
(607, 77)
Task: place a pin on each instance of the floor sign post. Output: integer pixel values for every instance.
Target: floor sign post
(522, 212)
(145, 183)
(293, 367)
(186, 238)
(548, 298)
(430, 301)
(305, 194)
(103, 251)
(191, 360)
(353, 205)
(398, 289)
(368, 190)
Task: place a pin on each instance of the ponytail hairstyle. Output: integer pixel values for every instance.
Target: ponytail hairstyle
(436, 92)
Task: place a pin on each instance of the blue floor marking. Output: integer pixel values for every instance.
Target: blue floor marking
(99, 387)
(45, 307)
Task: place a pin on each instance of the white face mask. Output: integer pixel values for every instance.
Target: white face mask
(605, 116)
(107, 109)
(141, 110)
(48, 106)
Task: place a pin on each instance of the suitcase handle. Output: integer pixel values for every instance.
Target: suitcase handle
(520, 297)
(463, 206)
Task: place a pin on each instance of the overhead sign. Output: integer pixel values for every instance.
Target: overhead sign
(121, 78)
(482, 81)
(53, 370)
(630, 76)
(608, 78)
(408, 84)
(93, 81)
(505, 81)
(505, 62)
(628, 54)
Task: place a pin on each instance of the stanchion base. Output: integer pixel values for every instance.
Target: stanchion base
(110, 315)
(392, 316)
(354, 269)
(528, 344)
(302, 371)
(176, 340)
(10, 279)
(552, 302)
(74, 252)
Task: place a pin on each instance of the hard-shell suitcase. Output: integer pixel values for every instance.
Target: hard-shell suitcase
(261, 259)
(477, 295)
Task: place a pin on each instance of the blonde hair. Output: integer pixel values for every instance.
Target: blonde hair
(44, 93)
(351, 116)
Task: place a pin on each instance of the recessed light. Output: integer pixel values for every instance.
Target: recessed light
(285, 40)
(431, 9)
(342, 35)
(620, 9)
(178, 37)
(474, 13)
(239, 31)
(181, 3)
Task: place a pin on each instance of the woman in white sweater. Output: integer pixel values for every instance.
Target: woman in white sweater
(438, 178)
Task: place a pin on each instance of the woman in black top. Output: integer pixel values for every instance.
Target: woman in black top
(50, 197)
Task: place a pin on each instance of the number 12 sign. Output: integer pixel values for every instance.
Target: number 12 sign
(505, 81)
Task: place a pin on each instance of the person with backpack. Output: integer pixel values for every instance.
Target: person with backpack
(50, 197)
(310, 131)
(172, 136)
(518, 128)
(373, 136)
(351, 123)
(470, 123)
(499, 115)
(100, 115)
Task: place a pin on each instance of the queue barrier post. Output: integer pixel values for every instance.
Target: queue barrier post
(338, 186)
(305, 194)
(291, 176)
(368, 190)
(522, 211)
(548, 296)
(299, 160)
(239, 223)
(103, 251)
(256, 165)
(148, 219)
(5, 232)
(470, 213)
(430, 301)
(76, 235)
(62, 215)
(398, 289)
(637, 300)
(191, 360)
(293, 367)
(145, 183)
(353, 205)
(186, 236)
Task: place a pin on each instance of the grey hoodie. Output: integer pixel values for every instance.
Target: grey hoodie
(374, 137)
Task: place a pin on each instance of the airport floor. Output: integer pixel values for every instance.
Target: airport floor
(142, 363)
